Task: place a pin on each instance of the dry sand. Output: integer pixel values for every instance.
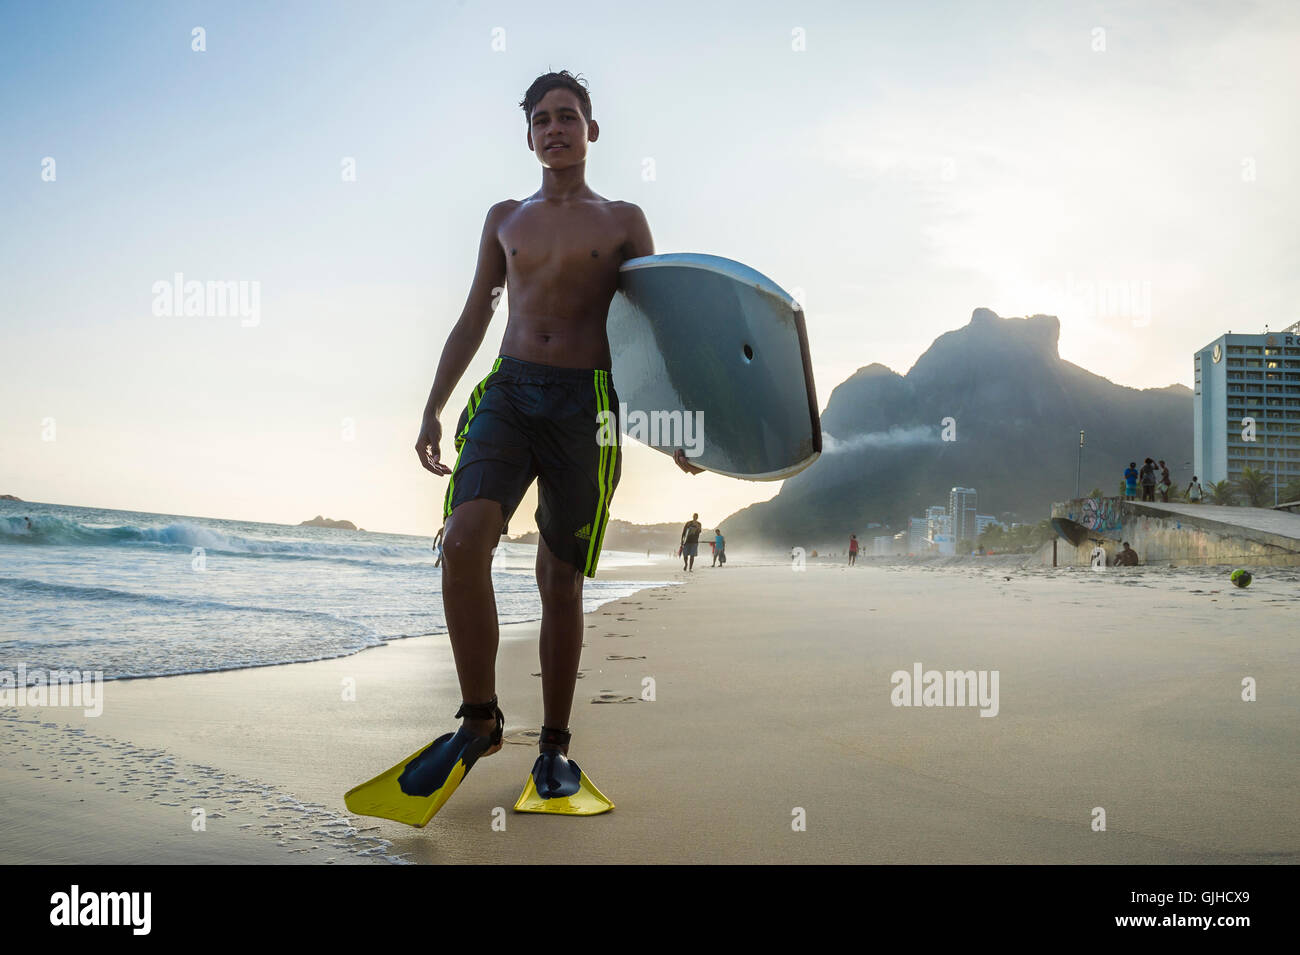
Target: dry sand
(1119, 690)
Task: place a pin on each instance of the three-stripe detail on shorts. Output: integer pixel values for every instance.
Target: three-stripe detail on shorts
(475, 397)
(605, 467)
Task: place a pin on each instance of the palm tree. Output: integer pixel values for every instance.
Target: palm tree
(1256, 486)
(1290, 493)
(1222, 493)
(992, 537)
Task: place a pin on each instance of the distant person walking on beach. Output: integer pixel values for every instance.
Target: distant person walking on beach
(1131, 480)
(1127, 557)
(853, 549)
(1194, 491)
(437, 545)
(1165, 482)
(690, 541)
(1147, 478)
(719, 548)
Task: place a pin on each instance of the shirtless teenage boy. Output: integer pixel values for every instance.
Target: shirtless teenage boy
(534, 416)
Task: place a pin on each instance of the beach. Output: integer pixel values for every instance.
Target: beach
(772, 735)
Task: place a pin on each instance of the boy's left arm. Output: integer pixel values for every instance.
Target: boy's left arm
(639, 242)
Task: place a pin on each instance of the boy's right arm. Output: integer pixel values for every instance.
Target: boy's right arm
(465, 337)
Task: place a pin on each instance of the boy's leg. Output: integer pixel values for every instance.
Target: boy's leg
(560, 650)
(576, 442)
(492, 471)
(469, 602)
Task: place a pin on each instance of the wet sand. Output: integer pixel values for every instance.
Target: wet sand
(772, 705)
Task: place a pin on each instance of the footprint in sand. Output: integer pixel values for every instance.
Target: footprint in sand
(618, 634)
(581, 674)
(615, 656)
(609, 696)
(523, 737)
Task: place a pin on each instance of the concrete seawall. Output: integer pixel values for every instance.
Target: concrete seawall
(1176, 534)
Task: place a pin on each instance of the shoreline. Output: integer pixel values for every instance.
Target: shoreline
(621, 573)
(771, 694)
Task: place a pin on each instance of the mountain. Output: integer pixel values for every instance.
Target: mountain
(319, 521)
(1017, 410)
(624, 535)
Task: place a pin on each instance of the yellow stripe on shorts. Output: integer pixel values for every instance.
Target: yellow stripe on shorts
(604, 477)
(475, 397)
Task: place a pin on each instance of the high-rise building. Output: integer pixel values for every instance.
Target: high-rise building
(961, 513)
(918, 535)
(940, 529)
(1248, 406)
(982, 521)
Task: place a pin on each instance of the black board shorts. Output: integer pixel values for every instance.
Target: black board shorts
(557, 425)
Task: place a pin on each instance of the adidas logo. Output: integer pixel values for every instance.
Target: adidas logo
(584, 532)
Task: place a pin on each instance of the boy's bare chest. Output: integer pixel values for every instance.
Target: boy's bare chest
(584, 239)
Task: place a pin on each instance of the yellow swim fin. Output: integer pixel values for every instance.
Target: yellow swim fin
(558, 785)
(420, 785)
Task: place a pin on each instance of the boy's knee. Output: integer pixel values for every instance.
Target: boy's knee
(558, 583)
(461, 547)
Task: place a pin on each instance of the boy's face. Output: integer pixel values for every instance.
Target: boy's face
(557, 132)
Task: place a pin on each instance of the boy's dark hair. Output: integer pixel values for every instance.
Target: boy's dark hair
(561, 80)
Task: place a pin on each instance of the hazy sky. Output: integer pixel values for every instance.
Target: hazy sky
(1130, 167)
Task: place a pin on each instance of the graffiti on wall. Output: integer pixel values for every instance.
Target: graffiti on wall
(1100, 514)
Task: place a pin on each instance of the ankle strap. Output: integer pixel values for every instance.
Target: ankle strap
(554, 737)
(478, 711)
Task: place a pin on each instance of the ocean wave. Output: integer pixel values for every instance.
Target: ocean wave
(27, 585)
(48, 529)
